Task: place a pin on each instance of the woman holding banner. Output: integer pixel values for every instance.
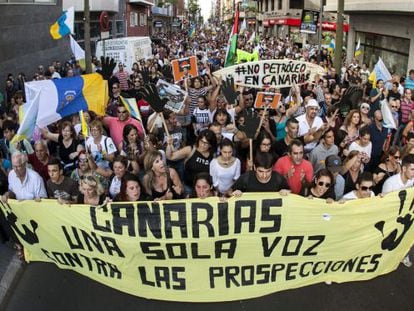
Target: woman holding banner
(322, 186)
(131, 190)
(225, 169)
(91, 191)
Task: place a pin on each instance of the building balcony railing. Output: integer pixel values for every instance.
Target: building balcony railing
(162, 11)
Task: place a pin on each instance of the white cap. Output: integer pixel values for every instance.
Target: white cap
(312, 103)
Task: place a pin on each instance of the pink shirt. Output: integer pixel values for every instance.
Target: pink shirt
(116, 128)
(283, 165)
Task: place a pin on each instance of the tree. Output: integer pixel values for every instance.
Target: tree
(193, 9)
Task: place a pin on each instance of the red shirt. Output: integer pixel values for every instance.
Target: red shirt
(116, 128)
(305, 169)
(39, 167)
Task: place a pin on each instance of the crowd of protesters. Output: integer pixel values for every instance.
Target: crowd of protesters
(309, 145)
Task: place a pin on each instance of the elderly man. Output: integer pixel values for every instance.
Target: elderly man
(24, 183)
(39, 159)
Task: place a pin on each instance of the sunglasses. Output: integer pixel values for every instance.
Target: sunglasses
(85, 160)
(123, 111)
(396, 157)
(321, 184)
(394, 107)
(365, 188)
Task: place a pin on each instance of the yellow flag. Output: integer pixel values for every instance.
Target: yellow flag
(373, 79)
(84, 125)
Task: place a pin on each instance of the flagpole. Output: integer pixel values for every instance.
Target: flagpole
(87, 37)
(320, 32)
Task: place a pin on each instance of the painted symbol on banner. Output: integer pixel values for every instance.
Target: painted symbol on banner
(394, 239)
(27, 234)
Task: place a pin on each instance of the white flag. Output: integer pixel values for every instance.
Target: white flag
(77, 51)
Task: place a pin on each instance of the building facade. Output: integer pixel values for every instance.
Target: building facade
(384, 28)
(137, 13)
(25, 38)
(117, 15)
(279, 17)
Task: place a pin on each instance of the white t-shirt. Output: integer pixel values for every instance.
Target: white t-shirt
(395, 183)
(224, 177)
(351, 195)
(367, 149)
(108, 147)
(304, 129)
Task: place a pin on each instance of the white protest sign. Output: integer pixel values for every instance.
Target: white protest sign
(271, 73)
(173, 93)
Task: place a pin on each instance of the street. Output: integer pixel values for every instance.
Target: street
(44, 287)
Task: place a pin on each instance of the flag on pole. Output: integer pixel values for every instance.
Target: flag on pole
(64, 25)
(77, 51)
(358, 48)
(331, 47)
(243, 27)
(132, 107)
(63, 97)
(29, 115)
(380, 72)
(84, 125)
(191, 33)
(252, 38)
(232, 44)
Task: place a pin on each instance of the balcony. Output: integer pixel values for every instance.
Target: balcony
(162, 11)
(95, 5)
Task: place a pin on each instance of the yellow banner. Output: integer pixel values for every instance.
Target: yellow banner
(207, 250)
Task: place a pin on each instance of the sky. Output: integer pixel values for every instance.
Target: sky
(205, 8)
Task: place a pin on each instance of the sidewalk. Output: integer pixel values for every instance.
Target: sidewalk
(10, 270)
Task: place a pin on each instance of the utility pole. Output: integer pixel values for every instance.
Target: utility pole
(339, 37)
(87, 37)
(320, 32)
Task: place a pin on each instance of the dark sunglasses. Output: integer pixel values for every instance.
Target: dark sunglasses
(83, 160)
(123, 111)
(321, 183)
(365, 188)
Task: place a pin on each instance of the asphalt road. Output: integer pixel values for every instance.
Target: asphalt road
(44, 287)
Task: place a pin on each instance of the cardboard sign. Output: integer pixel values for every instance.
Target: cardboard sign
(174, 95)
(184, 68)
(267, 99)
(271, 73)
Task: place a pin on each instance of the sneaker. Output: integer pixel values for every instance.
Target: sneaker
(407, 262)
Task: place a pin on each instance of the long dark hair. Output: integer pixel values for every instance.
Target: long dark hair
(122, 193)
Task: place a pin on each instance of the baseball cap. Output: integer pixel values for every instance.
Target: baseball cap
(312, 103)
(333, 163)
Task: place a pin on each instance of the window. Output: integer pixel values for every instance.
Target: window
(133, 19)
(142, 19)
(296, 4)
(279, 4)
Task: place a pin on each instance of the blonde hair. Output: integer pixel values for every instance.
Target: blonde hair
(91, 181)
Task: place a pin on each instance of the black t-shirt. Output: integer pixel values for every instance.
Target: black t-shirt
(68, 189)
(197, 163)
(248, 183)
(81, 199)
(65, 152)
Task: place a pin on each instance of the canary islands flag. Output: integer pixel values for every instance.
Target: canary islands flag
(64, 25)
(28, 115)
(62, 97)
